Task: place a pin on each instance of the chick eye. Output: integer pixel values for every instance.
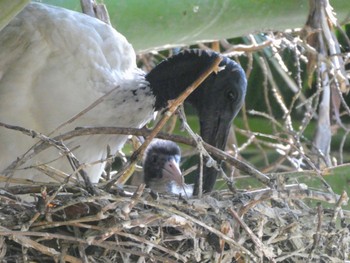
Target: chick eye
(232, 96)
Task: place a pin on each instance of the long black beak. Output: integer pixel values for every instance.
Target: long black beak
(215, 134)
(217, 137)
(218, 102)
(215, 130)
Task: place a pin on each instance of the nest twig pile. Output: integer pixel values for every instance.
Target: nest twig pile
(139, 226)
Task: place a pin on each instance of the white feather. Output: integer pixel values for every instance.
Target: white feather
(53, 64)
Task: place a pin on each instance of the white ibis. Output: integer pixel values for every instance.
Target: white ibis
(161, 168)
(54, 63)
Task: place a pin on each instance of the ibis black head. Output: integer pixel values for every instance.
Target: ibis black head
(217, 100)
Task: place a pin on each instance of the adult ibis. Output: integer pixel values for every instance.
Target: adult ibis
(54, 63)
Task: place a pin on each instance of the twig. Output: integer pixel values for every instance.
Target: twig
(204, 225)
(260, 246)
(20, 238)
(317, 234)
(84, 111)
(343, 198)
(245, 48)
(99, 11)
(58, 144)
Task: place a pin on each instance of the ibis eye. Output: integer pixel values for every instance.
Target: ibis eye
(232, 96)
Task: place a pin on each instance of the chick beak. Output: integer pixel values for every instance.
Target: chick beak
(171, 171)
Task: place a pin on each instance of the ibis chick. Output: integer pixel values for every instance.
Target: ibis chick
(161, 168)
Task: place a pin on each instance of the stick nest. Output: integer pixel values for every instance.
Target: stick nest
(136, 225)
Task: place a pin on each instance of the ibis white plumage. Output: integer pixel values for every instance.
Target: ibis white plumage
(54, 63)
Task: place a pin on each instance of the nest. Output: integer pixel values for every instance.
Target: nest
(66, 224)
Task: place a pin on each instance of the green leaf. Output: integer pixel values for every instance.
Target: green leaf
(163, 23)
